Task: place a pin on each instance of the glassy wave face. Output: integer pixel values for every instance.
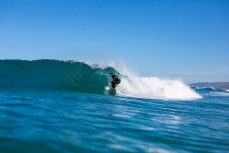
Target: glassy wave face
(53, 74)
(82, 77)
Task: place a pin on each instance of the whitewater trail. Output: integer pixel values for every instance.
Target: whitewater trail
(153, 87)
(156, 88)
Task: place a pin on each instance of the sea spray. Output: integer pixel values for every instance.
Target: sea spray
(152, 87)
(156, 88)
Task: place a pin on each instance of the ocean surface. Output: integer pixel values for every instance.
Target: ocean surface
(50, 106)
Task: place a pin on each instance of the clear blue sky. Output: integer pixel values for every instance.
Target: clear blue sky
(186, 39)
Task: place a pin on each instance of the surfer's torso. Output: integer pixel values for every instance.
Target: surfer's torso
(115, 81)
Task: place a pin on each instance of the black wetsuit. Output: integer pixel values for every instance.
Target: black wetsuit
(115, 81)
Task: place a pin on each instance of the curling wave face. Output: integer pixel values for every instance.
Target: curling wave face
(54, 74)
(81, 77)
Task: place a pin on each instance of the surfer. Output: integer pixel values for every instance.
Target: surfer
(115, 81)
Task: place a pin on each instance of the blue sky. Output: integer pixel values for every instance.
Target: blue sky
(186, 39)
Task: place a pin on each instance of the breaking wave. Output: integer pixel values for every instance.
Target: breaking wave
(82, 77)
(211, 91)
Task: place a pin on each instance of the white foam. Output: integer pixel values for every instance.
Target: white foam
(154, 88)
(107, 88)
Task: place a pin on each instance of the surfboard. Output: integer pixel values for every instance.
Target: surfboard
(110, 90)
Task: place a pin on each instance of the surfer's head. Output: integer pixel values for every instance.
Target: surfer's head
(111, 74)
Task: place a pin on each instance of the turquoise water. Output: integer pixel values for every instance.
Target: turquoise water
(40, 119)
